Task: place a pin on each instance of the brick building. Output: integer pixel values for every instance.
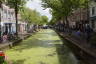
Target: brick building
(84, 16)
(92, 8)
(78, 18)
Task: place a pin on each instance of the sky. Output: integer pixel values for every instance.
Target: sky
(36, 4)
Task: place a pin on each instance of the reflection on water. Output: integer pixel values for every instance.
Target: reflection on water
(65, 56)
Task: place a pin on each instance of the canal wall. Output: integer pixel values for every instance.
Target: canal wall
(82, 54)
(8, 45)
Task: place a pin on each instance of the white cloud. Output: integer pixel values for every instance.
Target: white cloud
(36, 4)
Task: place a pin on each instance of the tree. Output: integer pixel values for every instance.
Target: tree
(63, 8)
(17, 5)
(0, 18)
(56, 16)
(44, 20)
(52, 21)
(33, 17)
(1, 1)
(56, 6)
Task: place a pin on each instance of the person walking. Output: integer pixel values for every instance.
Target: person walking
(88, 31)
(5, 38)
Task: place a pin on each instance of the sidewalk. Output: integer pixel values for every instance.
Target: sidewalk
(5, 45)
(9, 44)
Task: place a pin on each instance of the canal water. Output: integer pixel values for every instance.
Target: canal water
(43, 47)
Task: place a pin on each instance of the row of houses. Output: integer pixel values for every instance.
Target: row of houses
(93, 14)
(8, 22)
(84, 16)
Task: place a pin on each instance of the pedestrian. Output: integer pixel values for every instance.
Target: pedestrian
(5, 37)
(78, 33)
(88, 31)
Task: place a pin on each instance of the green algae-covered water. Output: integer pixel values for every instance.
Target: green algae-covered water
(44, 47)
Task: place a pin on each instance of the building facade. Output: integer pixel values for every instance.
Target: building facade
(78, 18)
(84, 16)
(92, 9)
(8, 21)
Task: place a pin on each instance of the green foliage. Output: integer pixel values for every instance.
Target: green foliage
(56, 15)
(1, 1)
(16, 3)
(44, 20)
(52, 22)
(61, 9)
(2, 60)
(32, 16)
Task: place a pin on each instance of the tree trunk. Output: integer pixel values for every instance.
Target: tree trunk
(0, 21)
(67, 22)
(16, 17)
(63, 23)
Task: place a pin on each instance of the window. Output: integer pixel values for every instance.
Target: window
(93, 10)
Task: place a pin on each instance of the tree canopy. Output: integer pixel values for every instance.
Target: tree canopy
(33, 17)
(61, 9)
(17, 5)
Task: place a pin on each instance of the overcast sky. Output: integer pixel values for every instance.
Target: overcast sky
(36, 4)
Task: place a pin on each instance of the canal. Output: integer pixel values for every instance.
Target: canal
(43, 47)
